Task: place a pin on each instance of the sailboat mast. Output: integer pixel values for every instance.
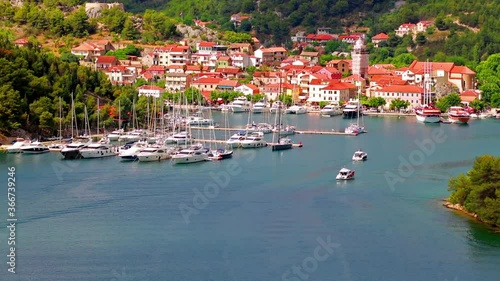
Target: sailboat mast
(98, 113)
(60, 119)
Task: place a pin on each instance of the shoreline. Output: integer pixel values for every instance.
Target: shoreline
(459, 208)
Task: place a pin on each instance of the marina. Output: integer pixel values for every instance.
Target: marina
(246, 214)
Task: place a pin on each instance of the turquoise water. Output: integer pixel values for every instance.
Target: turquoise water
(268, 215)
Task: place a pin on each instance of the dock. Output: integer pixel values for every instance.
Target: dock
(301, 132)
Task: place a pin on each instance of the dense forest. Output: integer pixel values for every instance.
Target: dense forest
(478, 191)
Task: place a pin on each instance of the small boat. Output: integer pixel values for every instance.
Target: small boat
(181, 138)
(220, 153)
(345, 174)
(330, 110)
(296, 109)
(115, 135)
(260, 107)
(72, 150)
(355, 129)
(360, 155)
(35, 147)
(254, 140)
(240, 104)
(283, 144)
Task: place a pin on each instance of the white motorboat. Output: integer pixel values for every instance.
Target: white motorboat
(181, 138)
(35, 147)
(296, 109)
(115, 135)
(190, 155)
(428, 114)
(254, 140)
(360, 155)
(260, 107)
(55, 147)
(199, 121)
(235, 140)
(331, 110)
(240, 104)
(130, 154)
(277, 106)
(220, 153)
(149, 154)
(16, 147)
(484, 115)
(98, 150)
(345, 174)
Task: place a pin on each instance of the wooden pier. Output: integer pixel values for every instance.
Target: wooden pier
(224, 142)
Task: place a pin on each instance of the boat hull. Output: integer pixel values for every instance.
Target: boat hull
(96, 154)
(71, 154)
(189, 159)
(35, 150)
(350, 114)
(277, 147)
(428, 118)
(252, 144)
(152, 157)
(459, 119)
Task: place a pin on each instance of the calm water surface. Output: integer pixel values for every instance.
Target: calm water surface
(267, 215)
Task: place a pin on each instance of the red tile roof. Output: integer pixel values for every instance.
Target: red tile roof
(206, 44)
(207, 80)
(337, 85)
(380, 36)
(106, 59)
(462, 70)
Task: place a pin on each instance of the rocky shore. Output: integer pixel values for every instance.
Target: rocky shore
(461, 209)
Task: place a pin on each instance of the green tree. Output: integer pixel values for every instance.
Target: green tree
(398, 104)
(129, 31)
(421, 39)
(377, 102)
(478, 105)
(478, 191)
(450, 100)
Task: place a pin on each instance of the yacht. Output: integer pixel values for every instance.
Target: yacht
(260, 107)
(199, 121)
(115, 135)
(284, 131)
(296, 109)
(35, 147)
(255, 139)
(130, 154)
(331, 110)
(192, 154)
(360, 155)
(458, 115)
(16, 147)
(226, 108)
(149, 154)
(235, 140)
(181, 138)
(98, 150)
(72, 150)
(240, 104)
(283, 144)
(428, 114)
(277, 106)
(345, 174)
(351, 109)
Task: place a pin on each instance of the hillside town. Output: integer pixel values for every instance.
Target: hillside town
(209, 66)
